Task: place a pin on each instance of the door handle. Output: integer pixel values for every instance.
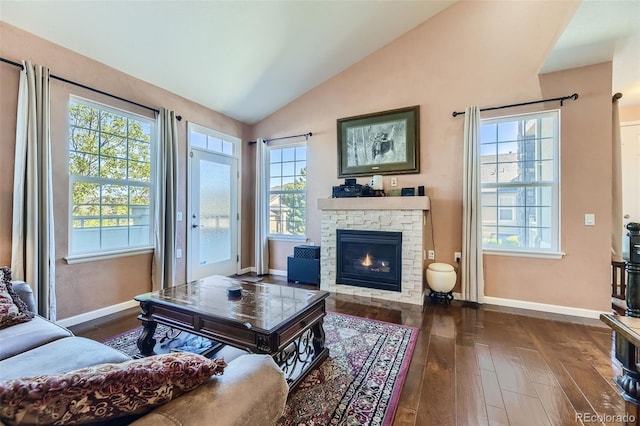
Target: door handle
(626, 216)
(194, 225)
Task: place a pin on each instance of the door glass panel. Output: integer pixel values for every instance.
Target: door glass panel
(215, 212)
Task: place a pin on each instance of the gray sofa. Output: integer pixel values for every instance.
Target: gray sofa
(252, 390)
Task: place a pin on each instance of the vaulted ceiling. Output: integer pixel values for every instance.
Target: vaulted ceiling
(247, 59)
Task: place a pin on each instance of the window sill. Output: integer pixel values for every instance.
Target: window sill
(92, 257)
(534, 254)
(298, 238)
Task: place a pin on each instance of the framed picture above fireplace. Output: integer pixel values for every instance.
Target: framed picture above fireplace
(386, 142)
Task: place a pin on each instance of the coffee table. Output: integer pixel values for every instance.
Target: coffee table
(284, 322)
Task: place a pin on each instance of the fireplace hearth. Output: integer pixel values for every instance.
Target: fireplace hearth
(371, 259)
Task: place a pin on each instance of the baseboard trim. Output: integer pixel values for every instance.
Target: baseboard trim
(88, 316)
(535, 306)
(278, 272)
(246, 270)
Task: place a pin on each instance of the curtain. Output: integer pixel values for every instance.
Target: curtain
(262, 213)
(33, 240)
(616, 188)
(163, 268)
(472, 274)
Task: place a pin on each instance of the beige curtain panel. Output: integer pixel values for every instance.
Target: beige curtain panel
(472, 278)
(261, 212)
(33, 243)
(163, 269)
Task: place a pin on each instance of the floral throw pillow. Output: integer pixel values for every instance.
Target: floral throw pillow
(12, 308)
(104, 391)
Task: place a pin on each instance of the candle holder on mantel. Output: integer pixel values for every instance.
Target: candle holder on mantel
(633, 271)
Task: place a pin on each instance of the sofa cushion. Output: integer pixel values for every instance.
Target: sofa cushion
(25, 293)
(12, 308)
(104, 391)
(19, 302)
(252, 391)
(28, 335)
(59, 356)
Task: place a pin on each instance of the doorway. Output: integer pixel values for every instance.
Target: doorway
(213, 211)
(630, 150)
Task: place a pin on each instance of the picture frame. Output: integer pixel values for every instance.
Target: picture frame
(386, 142)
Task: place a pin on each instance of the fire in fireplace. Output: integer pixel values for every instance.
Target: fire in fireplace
(370, 259)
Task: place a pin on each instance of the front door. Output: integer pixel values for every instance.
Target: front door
(213, 215)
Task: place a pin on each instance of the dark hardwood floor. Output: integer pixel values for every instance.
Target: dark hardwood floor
(482, 365)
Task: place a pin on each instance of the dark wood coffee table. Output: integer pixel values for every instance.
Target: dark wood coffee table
(284, 322)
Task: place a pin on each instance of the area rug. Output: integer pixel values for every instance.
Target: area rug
(167, 340)
(360, 382)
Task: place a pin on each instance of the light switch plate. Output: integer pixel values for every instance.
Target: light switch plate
(589, 219)
(179, 217)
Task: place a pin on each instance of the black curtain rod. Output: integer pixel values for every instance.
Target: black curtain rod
(178, 117)
(306, 135)
(562, 99)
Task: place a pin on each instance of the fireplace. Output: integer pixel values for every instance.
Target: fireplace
(371, 259)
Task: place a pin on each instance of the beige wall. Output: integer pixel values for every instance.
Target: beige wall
(88, 286)
(629, 113)
(487, 54)
(483, 53)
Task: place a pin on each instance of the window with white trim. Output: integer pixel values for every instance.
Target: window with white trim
(287, 179)
(210, 140)
(520, 179)
(111, 167)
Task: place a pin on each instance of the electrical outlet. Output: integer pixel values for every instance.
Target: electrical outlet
(457, 257)
(394, 181)
(431, 254)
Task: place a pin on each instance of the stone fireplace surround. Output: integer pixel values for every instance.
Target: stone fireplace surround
(399, 214)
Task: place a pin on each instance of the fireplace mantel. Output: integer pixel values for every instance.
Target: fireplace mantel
(375, 203)
(392, 214)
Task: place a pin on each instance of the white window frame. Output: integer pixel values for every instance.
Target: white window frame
(108, 253)
(554, 252)
(267, 181)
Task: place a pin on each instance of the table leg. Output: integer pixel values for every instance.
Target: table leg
(146, 342)
(318, 336)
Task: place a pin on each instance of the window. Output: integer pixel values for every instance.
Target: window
(110, 176)
(287, 177)
(520, 171)
(210, 140)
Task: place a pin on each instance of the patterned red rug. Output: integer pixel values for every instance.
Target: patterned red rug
(360, 382)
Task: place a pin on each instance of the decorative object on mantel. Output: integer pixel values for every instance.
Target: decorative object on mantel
(351, 189)
(384, 142)
(408, 192)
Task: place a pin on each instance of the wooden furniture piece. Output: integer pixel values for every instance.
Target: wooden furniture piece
(284, 322)
(618, 287)
(633, 271)
(627, 338)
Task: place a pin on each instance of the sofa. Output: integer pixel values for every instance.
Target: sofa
(251, 390)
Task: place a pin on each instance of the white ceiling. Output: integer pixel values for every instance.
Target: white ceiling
(600, 31)
(247, 59)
